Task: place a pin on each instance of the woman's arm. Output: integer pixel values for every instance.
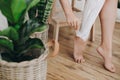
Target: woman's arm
(71, 18)
(66, 7)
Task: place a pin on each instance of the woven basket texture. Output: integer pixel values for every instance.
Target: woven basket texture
(35, 69)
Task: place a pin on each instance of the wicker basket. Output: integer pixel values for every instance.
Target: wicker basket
(27, 70)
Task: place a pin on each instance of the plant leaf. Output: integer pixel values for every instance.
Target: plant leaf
(31, 3)
(33, 43)
(13, 9)
(40, 28)
(43, 9)
(7, 56)
(7, 44)
(11, 33)
(30, 27)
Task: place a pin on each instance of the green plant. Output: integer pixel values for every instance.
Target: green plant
(15, 42)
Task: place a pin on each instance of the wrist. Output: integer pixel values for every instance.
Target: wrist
(69, 14)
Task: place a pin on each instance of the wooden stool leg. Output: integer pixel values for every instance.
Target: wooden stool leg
(92, 34)
(56, 32)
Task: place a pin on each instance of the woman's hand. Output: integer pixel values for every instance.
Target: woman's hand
(71, 18)
(73, 21)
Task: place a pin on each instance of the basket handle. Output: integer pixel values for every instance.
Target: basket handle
(55, 45)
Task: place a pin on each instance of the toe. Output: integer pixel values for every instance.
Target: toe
(110, 68)
(113, 69)
(76, 59)
(79, 60)
(82, 60)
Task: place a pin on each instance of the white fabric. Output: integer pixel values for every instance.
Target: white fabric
(3, 22)
(79, 4)
(91, 11)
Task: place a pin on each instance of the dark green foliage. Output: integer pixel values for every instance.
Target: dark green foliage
(41, 11)
(13, 9)
(11, 33)
(6, 43)
(15, 42)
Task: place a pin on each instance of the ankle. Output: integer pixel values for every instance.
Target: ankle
(106, 48)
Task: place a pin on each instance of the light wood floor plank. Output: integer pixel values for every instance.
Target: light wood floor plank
(63, 66)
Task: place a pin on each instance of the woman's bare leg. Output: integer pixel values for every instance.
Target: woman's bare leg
(107, 18)
(75, 22)
(91, 11)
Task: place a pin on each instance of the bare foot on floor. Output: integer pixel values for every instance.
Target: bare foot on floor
(107, 56)
(79, 45)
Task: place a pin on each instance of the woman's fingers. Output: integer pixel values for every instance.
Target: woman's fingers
(74, 22)
(78, 25)
(70, 23)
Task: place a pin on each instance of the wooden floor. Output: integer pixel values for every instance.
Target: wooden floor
(63, 67)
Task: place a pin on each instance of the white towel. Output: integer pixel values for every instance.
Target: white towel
(91, 11)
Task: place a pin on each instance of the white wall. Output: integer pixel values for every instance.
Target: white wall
(3, 22)
(118, 15)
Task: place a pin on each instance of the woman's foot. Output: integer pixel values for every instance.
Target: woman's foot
(107, 56)
(79, 45)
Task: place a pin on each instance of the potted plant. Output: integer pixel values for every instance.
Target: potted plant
(23, 57)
